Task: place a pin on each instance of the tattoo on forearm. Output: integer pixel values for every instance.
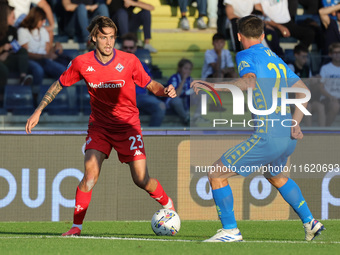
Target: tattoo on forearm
(50, 95)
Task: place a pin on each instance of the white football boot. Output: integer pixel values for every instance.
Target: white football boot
(226, 235)
(313, 229)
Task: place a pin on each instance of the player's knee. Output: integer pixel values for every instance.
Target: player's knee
(141, 182)
(212, 175)
(217, 183)
(278, 181)
(89, 181)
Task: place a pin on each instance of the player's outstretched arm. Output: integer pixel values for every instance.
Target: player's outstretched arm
(196, 85)
(247, 81)
(298, 114)
(159, 90)
(48, 98)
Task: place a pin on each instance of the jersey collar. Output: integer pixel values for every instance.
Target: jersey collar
(109, 62)
(258, 45)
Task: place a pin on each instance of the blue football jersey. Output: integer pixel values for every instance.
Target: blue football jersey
(271, 72)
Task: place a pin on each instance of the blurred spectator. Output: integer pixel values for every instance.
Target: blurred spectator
(33, 36)
(309, 7)
(330, 83)
(22, 8)
(331, 26)
(309, 19)
(202, 11)
(181, 81)
(236, 9)
(278, 13)
(222, 20)
(212, 13)
(121, 12)
(76, 16)
(326, 3)
(301, 68)
(146, 102)
(218, 62)
(13, 58)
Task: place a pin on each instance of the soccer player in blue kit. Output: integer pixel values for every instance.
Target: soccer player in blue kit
(271, 143)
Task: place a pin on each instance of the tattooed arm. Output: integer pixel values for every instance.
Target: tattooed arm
(48, 98)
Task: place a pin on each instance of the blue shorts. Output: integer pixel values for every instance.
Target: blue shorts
(256, 152)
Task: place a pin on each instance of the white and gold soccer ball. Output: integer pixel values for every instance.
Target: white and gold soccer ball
(165, 222)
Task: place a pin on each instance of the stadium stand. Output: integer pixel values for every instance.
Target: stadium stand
(18, 99)
(60, 105)
(172, 44)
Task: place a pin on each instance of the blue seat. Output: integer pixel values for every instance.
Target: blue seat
(60, 105)
(18, 99)
(289, 56)
(3, 111)
(83, 100)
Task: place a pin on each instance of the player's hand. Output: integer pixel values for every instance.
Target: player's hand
(170, 91)
(32, 121)
(195, 85)
(296, 132)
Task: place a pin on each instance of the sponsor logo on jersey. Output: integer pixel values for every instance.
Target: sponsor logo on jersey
(90, 69)
(138, 153)
(119, 67)
(115, 84)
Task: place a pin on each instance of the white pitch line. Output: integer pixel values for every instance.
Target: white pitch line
(163, 240)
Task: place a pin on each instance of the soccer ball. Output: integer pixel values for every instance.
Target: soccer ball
(165, 222)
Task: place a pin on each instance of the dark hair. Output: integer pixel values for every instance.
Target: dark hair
(333, 46)
(98, 23)
(183, 62)
(129, 37)
(250, 26)
(3, 19)
(300, 48)
(9, 9)
(218, 36)
(35, 15)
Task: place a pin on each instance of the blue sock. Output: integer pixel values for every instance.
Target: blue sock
(225, 206)
(293, 196)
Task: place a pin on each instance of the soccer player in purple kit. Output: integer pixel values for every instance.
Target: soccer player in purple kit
(110, 76)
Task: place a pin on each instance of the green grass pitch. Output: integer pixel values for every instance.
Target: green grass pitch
(123, 237)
